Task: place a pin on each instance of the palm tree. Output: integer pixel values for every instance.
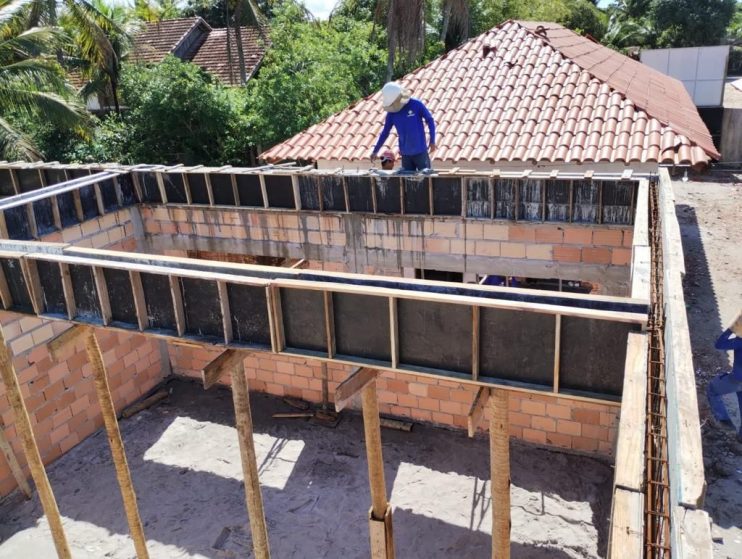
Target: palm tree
(245, 12)
(455, 25)
(32, 82)
(155, 10)
(405, 30)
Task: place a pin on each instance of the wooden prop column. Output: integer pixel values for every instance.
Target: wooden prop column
(500, 473)
(31, 450)
(363, 380)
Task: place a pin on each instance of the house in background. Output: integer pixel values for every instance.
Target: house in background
(193, 40)
(528, 95)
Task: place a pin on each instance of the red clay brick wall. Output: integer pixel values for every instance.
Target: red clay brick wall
(595, 253)
(60, 396)
(112, 231)
(538, 418)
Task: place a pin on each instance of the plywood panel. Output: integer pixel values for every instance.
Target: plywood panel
(150, 188)
(360, 198)
(51, 283)
(434, 335)
(517, 346)
(362, 326)
(478, 202)
(249, 191)
(309, 192)
(416, 195)
(388, 199)
(17, 285)
(44, 216)
(123, 310)
(159, 302)
(304, 319)
(174, 188)
(86, 295)
(249, 315)
(201, 306)
(221, 186)
(199, 191)
(446, 196)
(67, 211)
(333, 196)
(16, 220)
(280, 191)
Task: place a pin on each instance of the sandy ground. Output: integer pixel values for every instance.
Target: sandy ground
(709, 212)
(185, 464)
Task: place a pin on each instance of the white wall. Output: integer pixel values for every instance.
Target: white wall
(701, 69)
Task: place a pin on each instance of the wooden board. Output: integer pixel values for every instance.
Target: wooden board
(51, 282)
(586, 198)
(249, 191)
(388, 195)
(28, 179)
(416, 195)
(505, 194)
(366, 337)
(221, 186)
(280, 191)
(159, 302)
(478, 199)
(86, 294)
(16, 220)
(593, 354)
(333, 195)
(446, 196)
(530, 199)
(309, 192)
(304, 319)
(199, 191)
(434, 336)
(17, 285)
(249, 315)
(89, 202)
(627, 525)
(360, 198)
(517, 346)
(67, 211)
(123, 310)
(174, 188)
(108, 195)
(202, 315)
(616, 198)
(150, 188)
(6, 183)
(44, 216)
(557, 200)
(126, 186)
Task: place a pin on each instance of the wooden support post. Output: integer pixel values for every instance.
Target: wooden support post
(31, 276)
(178, 309)
(15, 467)
(103, 300)
(69, 292)
(500, 473)
(55, 213)
(394, 332)
(78, 205)
(476, 411)
(325, 385)
(380, 514)
(5, 296)
(95, 356)
(557, 351)
(329, 324)
(99, 199)
(31, 450)
(140, 306)
(359, 378)
(226, 314)
(225, 362)
(475, 334)
(253, 496)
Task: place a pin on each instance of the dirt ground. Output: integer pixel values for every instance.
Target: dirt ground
(709, 211)
(185, 464)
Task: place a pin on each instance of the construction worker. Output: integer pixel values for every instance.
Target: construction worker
(387, 160)
(407, 114)
(728, 383)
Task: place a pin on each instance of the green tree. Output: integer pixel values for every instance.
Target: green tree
(312, 70)
(179, 114)
(689, 23)
(32, 85)
(155, 10)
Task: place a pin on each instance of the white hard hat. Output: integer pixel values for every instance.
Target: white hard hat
(394, 97)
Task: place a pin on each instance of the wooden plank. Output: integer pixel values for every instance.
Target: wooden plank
(350, 387)
(55, 213)
(31, 216)
(99, 199)
(59, 343)
(329, 324)
(263, 190)
(394, 332)
(277, 313)
(632, 424)
(226, 362)
(5, 296)
(69, 292)
(3, 226)
(139, 303)
(235, 191)
(31, 275)
(209, 189)
(31, 450)
(77, 200)
(557, 350)
(123, 475)
(626, 532)
(641, 215)
(102, 289)
(226, 315)
(15, 467)
(476, 411)
(500, 473)
(177, 297)
(475, 333)
(253, 496)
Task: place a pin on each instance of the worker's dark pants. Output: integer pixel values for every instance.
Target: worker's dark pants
(722, 384)
(416, 162)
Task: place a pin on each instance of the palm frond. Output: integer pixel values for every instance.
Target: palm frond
(32, 42)
(54, 107)
(16, 145)
(91, 36)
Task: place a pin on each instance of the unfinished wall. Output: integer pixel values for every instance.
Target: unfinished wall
(60, 397)
(538, 418)
(600, 254)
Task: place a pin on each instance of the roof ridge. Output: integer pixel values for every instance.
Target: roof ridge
(679, 127)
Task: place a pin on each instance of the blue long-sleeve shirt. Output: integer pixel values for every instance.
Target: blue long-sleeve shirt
(409, 124)
(727, 343)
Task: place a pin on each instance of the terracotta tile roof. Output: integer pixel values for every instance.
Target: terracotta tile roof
(524, 93)
(212, 55)
(158, 39)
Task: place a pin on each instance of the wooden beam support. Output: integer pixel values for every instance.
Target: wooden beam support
(31, 450)
(178, 310)
(380, 514)
(123, 476)
(5, 296)
(103, 300)
(394, 332)
(226, 314)
(500, 473)
(350, 387)
(69, 293)
(226, 362)
(253, 496)
(475, 335)
(15, 467)
(140, 306)
(59, 343)
(626, 531)
(31, 276)
(557, 351)
(476, 411)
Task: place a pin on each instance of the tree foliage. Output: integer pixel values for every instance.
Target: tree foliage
(688, 23)
(312, 70)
